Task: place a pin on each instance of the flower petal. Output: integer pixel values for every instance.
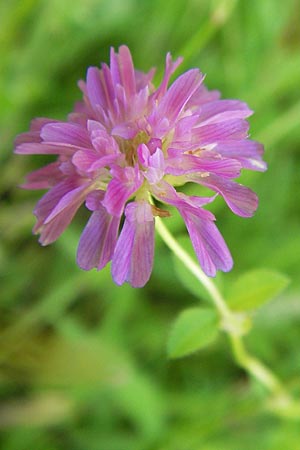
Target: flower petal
(173, 102)
(182, 164)
(42, 148)
(133, 257)
(56, 209)
(240, 199)
(98, 240)
(171, 66)
(34, 134)
(222, 110)
(214, 132)
(209, 245)
(70, 199)
(124, 183)
(248, 152)
(154, 164)
(122, 70)
(66, 133)
(44, 178)
(94, 88)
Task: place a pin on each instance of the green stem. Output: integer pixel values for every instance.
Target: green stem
(230, 319)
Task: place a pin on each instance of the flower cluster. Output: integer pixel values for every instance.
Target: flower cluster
(124, 150)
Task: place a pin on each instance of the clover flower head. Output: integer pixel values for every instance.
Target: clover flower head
(124, 150)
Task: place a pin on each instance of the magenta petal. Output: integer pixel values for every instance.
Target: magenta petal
(123, 71)
(184, 164)
(209, 245)
(125, 182)
(84, 159)
(178, 95)
(240, 199)
(94, 88)
(56, 209)
(169, 70)
(202, 96)
(221, 110)
(48, 202)
(166, 193)
(142, 79)
(44, 178)
(214, 132)
(43, 148)
(248, 152)
(207, 241)
(66, 133)
(155, 163)
(71, 199)
(34, 134)
(52, 230)
(89, 160)
(98, 240)
(133, 257)
(94, 199)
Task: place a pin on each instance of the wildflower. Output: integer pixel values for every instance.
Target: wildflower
(128, 143)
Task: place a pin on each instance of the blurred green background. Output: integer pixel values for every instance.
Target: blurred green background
(83, 362)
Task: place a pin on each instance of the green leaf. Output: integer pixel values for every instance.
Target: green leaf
(193, 329)
(255, 288)
(186, 278)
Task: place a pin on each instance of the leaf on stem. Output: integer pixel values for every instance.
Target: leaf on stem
(255, 288)
(194, 329)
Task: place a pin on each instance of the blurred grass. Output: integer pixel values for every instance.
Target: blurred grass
(83, 362)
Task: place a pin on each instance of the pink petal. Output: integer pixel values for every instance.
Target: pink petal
(94, 87)
(84, 159)
(179, 93)
(44, 178)
(155, 163)
(207, 241)
(221, 110)
(182, 164)
(241, 200)
(122, 70)
(166, 193)
(201, 96)
(209, 245)
(71, 199)
(125, 182)
(98, 240)
(248, 152)
(133, 257)
(94, 200)
(171, 66)
(143, 79)
(66, 133)
(56, 209)
(30, 136)
(229, 129)
(48, 202)
(45, 149)
(34, 134)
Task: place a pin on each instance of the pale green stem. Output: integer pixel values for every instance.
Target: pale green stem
(242, 357)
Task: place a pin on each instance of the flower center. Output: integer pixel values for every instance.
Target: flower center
(129, 146)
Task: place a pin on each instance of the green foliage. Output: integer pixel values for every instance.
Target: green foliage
(194, 329)
(83, 362)
(255, 288)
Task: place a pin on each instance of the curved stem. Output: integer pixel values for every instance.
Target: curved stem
(252, 365)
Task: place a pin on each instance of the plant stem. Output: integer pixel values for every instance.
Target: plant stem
(253, 366)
